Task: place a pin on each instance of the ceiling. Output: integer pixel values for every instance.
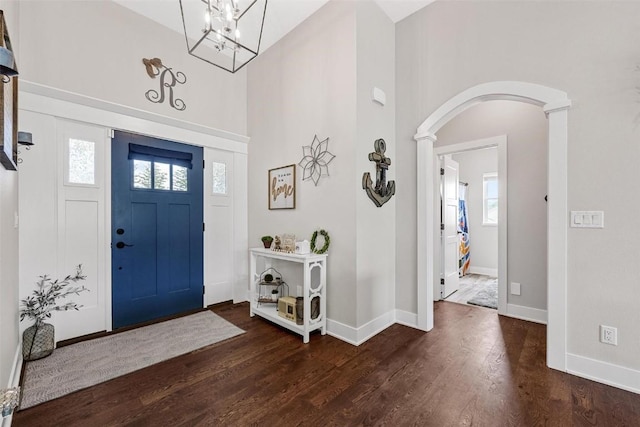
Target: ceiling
(282, 15)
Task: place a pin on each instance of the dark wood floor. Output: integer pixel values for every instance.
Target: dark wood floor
(475, 368)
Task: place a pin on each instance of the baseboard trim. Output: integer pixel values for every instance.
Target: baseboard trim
(407, 319)
(493, 272)
(218, 292)
(527, 313)
(343, 332)
(603, 372)
(14, 379)
(357, 336)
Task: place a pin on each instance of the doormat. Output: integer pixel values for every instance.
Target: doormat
(77, 366)
(487, 296)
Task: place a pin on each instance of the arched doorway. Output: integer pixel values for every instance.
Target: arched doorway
(555, 104)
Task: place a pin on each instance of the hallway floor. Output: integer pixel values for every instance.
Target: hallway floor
(469, 286)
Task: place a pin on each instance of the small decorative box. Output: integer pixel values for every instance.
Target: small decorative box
(303, 247)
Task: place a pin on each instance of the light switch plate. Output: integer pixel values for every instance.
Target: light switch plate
(587, 219)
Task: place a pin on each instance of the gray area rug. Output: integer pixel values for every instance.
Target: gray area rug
(87, 363)
(487, 296)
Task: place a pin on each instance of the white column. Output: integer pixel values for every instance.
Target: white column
(425, 196)
(557, 241)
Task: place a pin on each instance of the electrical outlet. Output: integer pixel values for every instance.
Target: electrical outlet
(515, 288)
(608, 335)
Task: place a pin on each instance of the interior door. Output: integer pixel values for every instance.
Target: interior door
(157, 228)
(450, 230)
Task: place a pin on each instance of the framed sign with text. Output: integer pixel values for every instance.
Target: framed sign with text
(282, 187)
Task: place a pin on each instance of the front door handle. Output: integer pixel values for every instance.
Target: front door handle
(121, 245)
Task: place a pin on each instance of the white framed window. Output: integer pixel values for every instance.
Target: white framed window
(219, 178)
(490, 198)
(81, 162)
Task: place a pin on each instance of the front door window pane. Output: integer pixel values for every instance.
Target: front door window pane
(141, 174)
(180, 178)
(162, 179)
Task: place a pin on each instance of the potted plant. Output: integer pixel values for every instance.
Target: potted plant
(38, 339)
(266, 241)
(274, 295)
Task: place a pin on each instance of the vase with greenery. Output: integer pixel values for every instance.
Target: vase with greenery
(266, 241)
(38, 340)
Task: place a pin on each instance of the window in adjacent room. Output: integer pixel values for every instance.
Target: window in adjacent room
(490, 198)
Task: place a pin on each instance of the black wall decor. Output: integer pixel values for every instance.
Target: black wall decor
(382, 192)
(168, 80)
(8, 100)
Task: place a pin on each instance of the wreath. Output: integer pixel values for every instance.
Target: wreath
(327, 242)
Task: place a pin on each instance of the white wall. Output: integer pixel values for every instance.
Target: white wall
(586, 49)
(318, 80)
(95, 48)
(526, 128)
(483, 238)
(375, 251)
(305, 85)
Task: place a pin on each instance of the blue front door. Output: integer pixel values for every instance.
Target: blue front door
(157, 231)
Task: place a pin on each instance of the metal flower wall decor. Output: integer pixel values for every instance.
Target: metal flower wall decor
(315, 160)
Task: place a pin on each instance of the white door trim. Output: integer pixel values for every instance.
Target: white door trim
(501, 143)
(555, 104)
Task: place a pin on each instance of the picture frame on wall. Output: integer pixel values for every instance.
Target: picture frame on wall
(9, 123)
(282, 187)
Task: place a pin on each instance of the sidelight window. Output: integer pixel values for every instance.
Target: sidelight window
(81, 162)
(219, 178)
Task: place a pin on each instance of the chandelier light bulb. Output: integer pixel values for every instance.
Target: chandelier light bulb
(237, 33)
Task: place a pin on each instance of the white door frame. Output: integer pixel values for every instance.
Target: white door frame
(500, 142)
(555, 104)
(58, 103)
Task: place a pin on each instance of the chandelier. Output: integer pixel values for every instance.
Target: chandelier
(224, 33)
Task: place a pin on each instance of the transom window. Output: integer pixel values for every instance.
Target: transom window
(159, 169)
(159, 176)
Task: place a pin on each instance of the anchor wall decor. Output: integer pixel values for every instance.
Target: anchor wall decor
(383, 190)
